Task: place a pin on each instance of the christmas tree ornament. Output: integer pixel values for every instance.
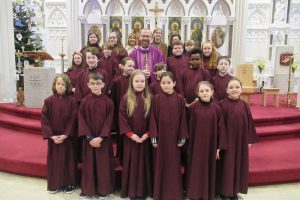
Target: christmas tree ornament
(19, 36)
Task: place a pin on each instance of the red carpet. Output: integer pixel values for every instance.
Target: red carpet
(274, 160)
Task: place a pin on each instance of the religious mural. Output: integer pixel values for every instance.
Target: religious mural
(174, 26)
(137, 23)
(115, 24)
(218, 37)
(197, 30)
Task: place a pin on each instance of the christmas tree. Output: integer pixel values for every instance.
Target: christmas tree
(25, 37)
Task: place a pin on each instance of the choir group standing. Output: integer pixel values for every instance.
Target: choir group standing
(189, 120)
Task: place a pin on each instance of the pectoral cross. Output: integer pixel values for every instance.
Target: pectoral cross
(156, 10)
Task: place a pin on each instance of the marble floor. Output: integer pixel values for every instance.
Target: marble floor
(15, 187)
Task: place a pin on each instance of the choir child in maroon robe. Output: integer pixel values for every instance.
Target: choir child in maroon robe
(210, 57)
(75, 70)
(241, 134)
(119, 52)
(82, 88)
(174, 38)
(207, 137)
(94, 38)
(118, 90)
(221, 79)
(193, 75)
(188, 46)
(59, 113)
(108, 63)
(95, 118)
(178, 63)
(134, 123)
(168, 129)
(159, 69)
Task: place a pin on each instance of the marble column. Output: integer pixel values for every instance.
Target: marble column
(239, 33)
(7, 53)
(73, 28)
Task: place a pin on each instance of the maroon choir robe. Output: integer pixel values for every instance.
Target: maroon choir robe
(190, 79)
(73, 74)
(119, 57)
(137, 167)
(177, 65)
(59, 114)
(82, 88)
(206, 135)
(155, 87)
(220, 85)
(240, 130)
(212, 72)
(95, 119)
(110, 65)
(118, 90)
(168, 125)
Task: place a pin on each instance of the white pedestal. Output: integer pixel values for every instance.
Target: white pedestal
(37, 85)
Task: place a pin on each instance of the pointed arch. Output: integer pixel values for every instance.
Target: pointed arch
(175, 8)
(57, 17)
(198, 8)
(221, 6)
(137, 8)
(115, 7)
(91, 5)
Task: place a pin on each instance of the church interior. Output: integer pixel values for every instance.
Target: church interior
(261, 38)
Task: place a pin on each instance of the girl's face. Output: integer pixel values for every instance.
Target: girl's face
(223, 66)
(195, 60)
(205, 92)
(77, 59)
(139, 82)
(189, 47)
(177, 50)
(132, 40)
(91, 60)
(157, 35)
(95, 86)
(234, 89)
(128, 67)
(167, 85)
(175, 39)
(112, 39)
(60, 86)
(93, 39)
(207, 49)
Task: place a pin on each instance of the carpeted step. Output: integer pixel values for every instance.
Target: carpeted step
(275, 162)
(26, 125)
(13, 109)
(22, 153)
(275, 132)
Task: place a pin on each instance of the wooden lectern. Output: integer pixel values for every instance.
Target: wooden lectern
(38, 56)
(244, 72)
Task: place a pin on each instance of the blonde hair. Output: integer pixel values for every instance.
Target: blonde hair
(131, 96)
(213, 60)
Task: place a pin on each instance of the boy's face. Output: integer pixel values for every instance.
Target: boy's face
(189, 47)
(95, 86)
(91, 60)
(60, 86)
(223, 66)
(159, 73)
(175, 39)
(177, 50)
(93, 39)
(106, 52)
(195, 60)
(128, 67)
